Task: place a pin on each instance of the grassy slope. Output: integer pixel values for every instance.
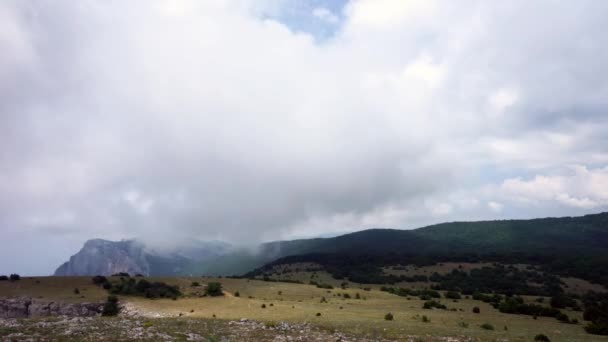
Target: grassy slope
(300, 303)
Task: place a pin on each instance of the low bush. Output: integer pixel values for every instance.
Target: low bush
(476, 310)
(14, 277)
(453, 295)
(214, 289)
(110, 307)
(388, 316)
(432, 304)
(487, 326)
(541, 338)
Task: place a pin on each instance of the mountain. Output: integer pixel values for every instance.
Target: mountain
(553, 240)
(576, 244)
(105, 257)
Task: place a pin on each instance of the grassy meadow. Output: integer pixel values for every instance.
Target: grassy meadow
(299, 303)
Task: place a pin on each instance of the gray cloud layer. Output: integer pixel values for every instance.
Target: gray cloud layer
(172, 120)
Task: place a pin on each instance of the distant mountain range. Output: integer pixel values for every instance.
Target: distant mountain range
(584, 238)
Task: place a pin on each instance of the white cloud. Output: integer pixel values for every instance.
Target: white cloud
(230, 125)
(386, 14)
(581, 188)
(325, 14)
(495, 206)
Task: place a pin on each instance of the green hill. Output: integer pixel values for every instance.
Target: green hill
(570, 245)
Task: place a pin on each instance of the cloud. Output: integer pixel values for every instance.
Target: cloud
(325, 14)
(582, 188)
(172, 120)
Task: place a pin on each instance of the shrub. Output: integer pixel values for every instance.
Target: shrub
(476, 310)
(425, 319)
(453, 295)
(110, 307)
(346, 296)
(597, 328)
(99, 280)
(562, 317)
(76, 291)
(324, 286)
(430, 304)
(463, 324)
(237, 294)
(541, 338)
(195, 284)
(357, 296)
(318, 314)
(487, 326)
(214, 289)
(121, 274)
(144, 288)
(3, 278)
(14, 277)
(388, 316)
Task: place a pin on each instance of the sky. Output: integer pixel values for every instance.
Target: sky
(259, 120)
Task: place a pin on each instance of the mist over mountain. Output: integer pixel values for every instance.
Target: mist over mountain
(538, 240)
(104, 257)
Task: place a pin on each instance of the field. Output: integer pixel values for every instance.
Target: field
(302, 303)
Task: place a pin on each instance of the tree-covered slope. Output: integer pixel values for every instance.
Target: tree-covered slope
(570, 245)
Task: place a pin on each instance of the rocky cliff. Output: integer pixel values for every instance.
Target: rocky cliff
(105, 257)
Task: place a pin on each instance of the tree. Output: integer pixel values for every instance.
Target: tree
(14, 277)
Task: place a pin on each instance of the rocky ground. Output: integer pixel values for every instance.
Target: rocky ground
(173, 329)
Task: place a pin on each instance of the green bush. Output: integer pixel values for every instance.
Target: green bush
(541, 338)
(110, 307)
(195, 284)
(99, 280)
(453, 295)
(143, 288)
(476, 310)
(388, 316)
(214, 289)
(430, 304)
(425, 319)
(597, 328)
(487, 326)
